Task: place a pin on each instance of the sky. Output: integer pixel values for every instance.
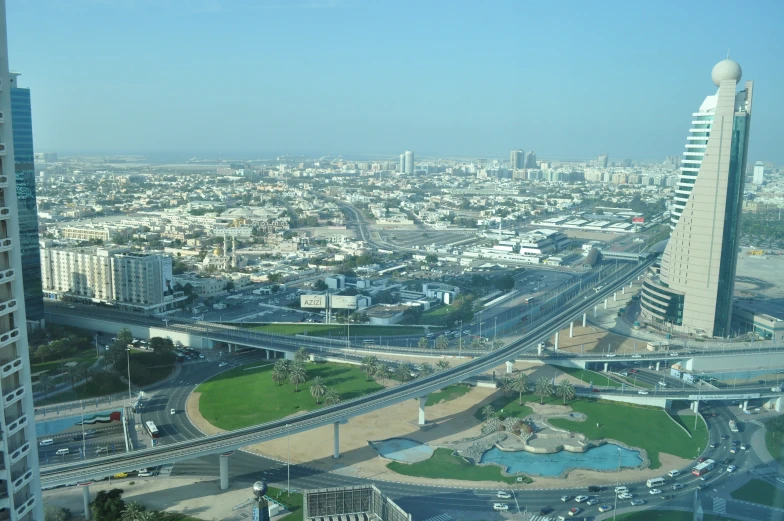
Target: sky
(260, 78)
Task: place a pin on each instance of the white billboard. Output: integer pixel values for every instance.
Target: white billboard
(313, 301)
(343, 302)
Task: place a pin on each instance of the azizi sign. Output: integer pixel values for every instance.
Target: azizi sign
(335, 301)
(313, 301)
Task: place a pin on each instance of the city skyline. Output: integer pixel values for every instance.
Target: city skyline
(269, 83)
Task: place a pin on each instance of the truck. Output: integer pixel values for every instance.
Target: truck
(733, 426)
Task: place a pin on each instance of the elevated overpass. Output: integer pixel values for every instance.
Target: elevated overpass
(419, 389)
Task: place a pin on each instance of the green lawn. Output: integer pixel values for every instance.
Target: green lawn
(598, 379)
(443, 465)
(439, 311)
(508, 405)
(101, 385)
(293, 503)
(56, 366)
(447, 394)
(775, 448)
(760, 492)
(668, 515)
(338, 330)
(622, 423)
(239, 398)
(148, 367)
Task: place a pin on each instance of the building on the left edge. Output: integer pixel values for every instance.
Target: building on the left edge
(20, 484)
(21, 110)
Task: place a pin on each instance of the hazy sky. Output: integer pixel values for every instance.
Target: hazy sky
(352, 77)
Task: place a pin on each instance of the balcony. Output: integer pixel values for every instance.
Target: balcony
(3, 181)
(25, 507)
(16, 424)
(9, 337)
(13, 396)
(7, 306)
(19, 452)
(5, 212)
(2, 149)
(7, 275)
(22, 480)
(6, 244)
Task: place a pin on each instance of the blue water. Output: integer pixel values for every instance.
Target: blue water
(604, 457)
(402, 449)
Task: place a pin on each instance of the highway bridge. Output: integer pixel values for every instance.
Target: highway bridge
(419, 389)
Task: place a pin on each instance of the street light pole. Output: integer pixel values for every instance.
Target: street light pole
(288, 461)
(128, 355)
(617, 482)
(495, 331)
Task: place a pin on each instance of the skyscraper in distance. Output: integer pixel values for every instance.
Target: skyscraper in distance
(530, 159)
(517, 160)
(603, 161)
(759, 173)
(402, 165)
(25, 194)
(693, 287)
(21, 485)
(409, 162)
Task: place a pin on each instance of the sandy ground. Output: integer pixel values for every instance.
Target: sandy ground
(447, 421)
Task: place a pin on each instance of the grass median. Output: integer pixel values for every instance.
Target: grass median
(447, 394)
(443, 465)
(598, 379)
(760, 492)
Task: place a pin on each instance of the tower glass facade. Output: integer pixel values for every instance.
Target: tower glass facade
(21, 112)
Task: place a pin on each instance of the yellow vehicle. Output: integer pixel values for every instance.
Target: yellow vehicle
(755, 252)
(120, 475)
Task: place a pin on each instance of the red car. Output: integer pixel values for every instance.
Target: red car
(701, 459)
(595, 390)
(634, 371)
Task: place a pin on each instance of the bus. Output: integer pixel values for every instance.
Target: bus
(655, 482)
(703, 468)
(733, 426)
(368, 342)
(151, 429)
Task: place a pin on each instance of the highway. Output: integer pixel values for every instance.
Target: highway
(178, 451)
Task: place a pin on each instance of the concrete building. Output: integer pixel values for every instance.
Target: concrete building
(603, 161)
(130, 280)
(759, 173)
(409, 162)
(517, 160)
(336, 282)
(86, 234)
(693, 287)
(402, 164)
(20, 487)
(530, 159)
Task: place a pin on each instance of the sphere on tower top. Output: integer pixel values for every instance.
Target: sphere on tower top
(259, 489)
(726, 70)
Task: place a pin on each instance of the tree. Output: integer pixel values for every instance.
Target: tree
(161, 345)
(431, 258)
(506, 384)
(53, 513)
(283, 365)
(422, 343)
(425, 370)
(383, 372)
(565, 389)
(132, 511)
(520, 385)
(497, 344)
(320, 285)
(72, 373)
(297, 375)
(442, 365)
(478, 342)
(331, 398)
(149, 515)
(487, 412)
(317, 388)
(107, 505)
(44, 383)
(369, 365)
(301, 355)
(403, 372)
(278, 376)
(442, 342)
(544, 388)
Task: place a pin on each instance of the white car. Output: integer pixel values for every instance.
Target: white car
(500, 507)
(174, 411)
(580, 499)
(731, 468)
(565, 498)
(592, 501)
(625, 495)
(605, 508)
(636, 356)
(655, 491)
(223, 364)
(621, 489)
(610, 355)
(642, 392)
(503, 495)
(624, 373)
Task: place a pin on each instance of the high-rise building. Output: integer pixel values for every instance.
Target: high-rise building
(603, 161)
(402, 165)
(409, 162)
(25, 195)
(20, 487)
(517, 160)
(692, 288)
(759, 173)
(530, 159)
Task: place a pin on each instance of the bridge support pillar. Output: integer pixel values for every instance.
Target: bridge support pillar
(557, 334)
(615, 296)
(571, 329)
(224, 472)
(585, 317)
(422, 402)
(86, 500)
(606, 366)
(623, 290)
(745, 405)
(594, 311)
(777, 405)
(289, 355)
(509, 367)
(539, 349)
(657, 365)
(695, 406)
(667, 405)
(605, 303)
(336, 451)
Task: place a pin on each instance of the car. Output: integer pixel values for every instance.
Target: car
(725, 436)
(636, 356)
(662, 384)
(733, 450)
(637, 502)
(201, 355)
(594, 488)
(565, 498)
(592, 501)
(610, 355)
(743, 446)
(624, 373)
(595, 390)
(668, 496)
(634, 371)
(102, 450)
(574, 511)
(714, 445)
(655, 491)
(500, 507)
(605, 508)
(545, 510)
(727, 461)
(621, 489)
(677, 486)
(120, 475)
(580, 499)
(625, 495)
(223, 364)
(503, 495)
(731, 468)
(701, 459)
(642, 392)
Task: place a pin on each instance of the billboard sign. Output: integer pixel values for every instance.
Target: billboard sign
(343, 302)
(639, 220)
(313, 301)
(166, 276)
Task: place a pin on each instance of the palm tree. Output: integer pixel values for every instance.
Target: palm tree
(506, 384)
(383, 372)
(442, 342)
(317, 388)
(422, 343)
(442, 365)
(565, 389)
(44, 383)
(331, 397)
(279, 376)
(284, 366)
(544, 387)
(72, 372)
(520, 385)
(498, 344)
(297, 375)
(478, 343)
(132, 511)
(487, 412)
(369, 365)
(403, 372)
(425, 370)
(148, 515)
(302, 355)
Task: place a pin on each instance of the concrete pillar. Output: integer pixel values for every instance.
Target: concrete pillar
(224, 472)
(594, 311)
(539, 349)
(571, 329)
(606, 366)
(623, 290)
(509, 367)
(585, 317)
(86, 499)
(777, 404)
(557, 334)
(657, 365)
(615, 296)
(695, 406)
(336, 453)
(745, 405)
(605, 303)
(422, 402)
